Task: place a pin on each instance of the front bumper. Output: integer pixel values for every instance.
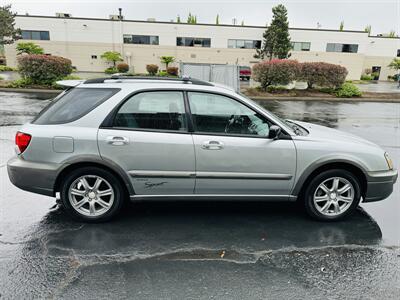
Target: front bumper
(32, 176)
(380, 185)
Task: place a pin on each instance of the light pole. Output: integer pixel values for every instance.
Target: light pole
(121, 34)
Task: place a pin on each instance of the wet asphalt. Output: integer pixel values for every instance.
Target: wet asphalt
(203, 250)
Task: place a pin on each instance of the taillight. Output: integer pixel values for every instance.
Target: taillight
(22, 141)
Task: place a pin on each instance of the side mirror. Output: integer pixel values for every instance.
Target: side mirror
(274, 132)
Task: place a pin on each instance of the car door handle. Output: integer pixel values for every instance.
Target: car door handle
(212, 145)
(117, 140)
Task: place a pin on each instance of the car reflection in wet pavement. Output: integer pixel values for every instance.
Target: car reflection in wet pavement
(204, 250)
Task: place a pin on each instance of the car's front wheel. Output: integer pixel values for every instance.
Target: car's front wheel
(91, 194)
(332, 195)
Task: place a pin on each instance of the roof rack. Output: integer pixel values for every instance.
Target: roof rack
(184, 79)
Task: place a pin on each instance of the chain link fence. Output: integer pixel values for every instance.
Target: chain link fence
(224, 74)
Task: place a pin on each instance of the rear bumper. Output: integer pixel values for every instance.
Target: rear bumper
(32, 176)
(380, 185)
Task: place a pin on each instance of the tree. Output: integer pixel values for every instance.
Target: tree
(178, 19)
(276, 43)
(242, 24)
(392, 34)
(112, 56)
(368, 29)
(29, 48)
(192, 19)
(341, 26)
(395, 64)
(217, 20)
(8, 32)
(167, 60)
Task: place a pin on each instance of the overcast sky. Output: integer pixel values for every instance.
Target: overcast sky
(382, 15)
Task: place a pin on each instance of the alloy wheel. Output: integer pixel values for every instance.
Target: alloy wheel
(333, 196)
(91, 195)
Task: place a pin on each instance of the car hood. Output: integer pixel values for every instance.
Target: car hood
(329, 134)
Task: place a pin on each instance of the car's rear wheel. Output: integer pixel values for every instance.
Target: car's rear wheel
(332, 195)
(92, 194)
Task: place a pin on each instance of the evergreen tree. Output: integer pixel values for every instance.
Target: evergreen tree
(341, 26)
(276, 43)
(8, 32)
(368, 29)
(192, 19)
(217, 20)
(178, 19)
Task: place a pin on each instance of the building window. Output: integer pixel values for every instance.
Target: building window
(398, 52)
(244, 44)
(335, 47)
(94, 56)
(301, 46)
(141, 39)
(193, 42)
(35, 35)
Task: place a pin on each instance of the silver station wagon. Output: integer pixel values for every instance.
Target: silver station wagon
(103, 141)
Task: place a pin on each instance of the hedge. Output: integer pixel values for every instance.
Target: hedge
(172, 71)
(322, 74)
(43, 69)
(122, 67)
(276, 72)
(152, 69)
(284, 71)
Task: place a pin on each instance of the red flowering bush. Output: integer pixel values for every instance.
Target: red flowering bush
(276, 72)
(152, 69)
(322, 74)
(43, 69)
(122, 67)
(172, 71)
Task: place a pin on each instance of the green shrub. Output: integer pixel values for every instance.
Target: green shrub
(276, 72)
(348, 90)
(111, 70)
(1, 78)
(71, 77)
(20, 83)
(29, 48)
(327, 90)
(43, 69)
(152, 69)
(122, 67)
(374, 74)
(322, 74)
(366, 77)
(6, 68)
(275, 89)
(173, 71)
(162, 74)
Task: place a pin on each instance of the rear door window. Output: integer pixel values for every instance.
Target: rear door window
(153, 111)
(73, 105)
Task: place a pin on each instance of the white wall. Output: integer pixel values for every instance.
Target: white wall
(79, 39)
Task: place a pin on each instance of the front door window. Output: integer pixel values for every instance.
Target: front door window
(212, 113)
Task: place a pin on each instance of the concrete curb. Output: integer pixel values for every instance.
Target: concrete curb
(258, 98)
(53, 93)
(34, 91)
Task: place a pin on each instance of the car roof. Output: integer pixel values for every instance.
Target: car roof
(133, 83)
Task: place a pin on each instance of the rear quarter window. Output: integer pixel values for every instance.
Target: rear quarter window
(73, 105)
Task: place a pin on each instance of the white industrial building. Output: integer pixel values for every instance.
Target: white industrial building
(83, 40)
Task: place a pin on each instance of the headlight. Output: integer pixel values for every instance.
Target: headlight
(389, 161)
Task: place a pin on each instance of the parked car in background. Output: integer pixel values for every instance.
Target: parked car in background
(104, 141)
(245, 73)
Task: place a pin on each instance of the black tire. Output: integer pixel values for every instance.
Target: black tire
(310, 190)
(113, 181)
